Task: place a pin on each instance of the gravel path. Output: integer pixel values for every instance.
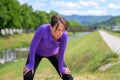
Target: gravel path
(112, 41)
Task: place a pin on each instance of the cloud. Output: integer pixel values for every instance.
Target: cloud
(81, 7)
(87, 3)
(23, 1)
(62, 4)
(38, 4)
(113, 6)
(96, 12)
(68, 12)
(103, 1)
(66, 8)
(88, 12)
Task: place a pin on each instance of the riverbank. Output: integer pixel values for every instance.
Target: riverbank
(22, 40)
(15, 41)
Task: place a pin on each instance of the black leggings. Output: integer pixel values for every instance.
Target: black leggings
(53, 60)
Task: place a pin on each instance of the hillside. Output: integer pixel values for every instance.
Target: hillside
(88, 20)
(88, 53)
(114, 21)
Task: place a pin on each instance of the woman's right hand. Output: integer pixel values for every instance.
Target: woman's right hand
(25, 70)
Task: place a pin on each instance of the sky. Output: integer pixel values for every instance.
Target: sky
(79, 7)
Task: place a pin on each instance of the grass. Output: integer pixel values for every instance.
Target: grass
(83, 56)
(13, 71)
(15, 41)
(114, 33)
(90, 52)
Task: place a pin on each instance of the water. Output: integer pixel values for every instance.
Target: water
(8, 55)
(78, 35)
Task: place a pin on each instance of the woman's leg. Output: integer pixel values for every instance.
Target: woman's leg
(67, 77)
(54, 61)
(29, 75)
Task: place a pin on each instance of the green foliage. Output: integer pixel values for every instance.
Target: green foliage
(75, 26)
(115, 21)
(10, 14)
(88, 53)
(26, 12)
(116, 33)
(73, 23)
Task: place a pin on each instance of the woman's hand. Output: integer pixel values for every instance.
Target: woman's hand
(67, 71)
(26, 69)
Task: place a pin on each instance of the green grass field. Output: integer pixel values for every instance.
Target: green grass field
(83, 56)
(15, 41)
(114, 33)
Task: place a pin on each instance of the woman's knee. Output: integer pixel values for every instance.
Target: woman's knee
(28, 76)
(67, 77)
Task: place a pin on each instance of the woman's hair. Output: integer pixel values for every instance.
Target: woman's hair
(56, 20)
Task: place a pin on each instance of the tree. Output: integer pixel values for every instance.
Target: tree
(9, 14)
(73, 26)
(26, 12)
(14, 15)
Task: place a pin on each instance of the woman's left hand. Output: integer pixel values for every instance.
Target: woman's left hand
(67, 71)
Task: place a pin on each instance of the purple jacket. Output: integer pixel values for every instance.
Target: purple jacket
(44, 45)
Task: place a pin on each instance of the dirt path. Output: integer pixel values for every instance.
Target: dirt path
(112, 41)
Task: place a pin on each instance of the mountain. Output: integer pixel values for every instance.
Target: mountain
(88, 20)
(114, 21)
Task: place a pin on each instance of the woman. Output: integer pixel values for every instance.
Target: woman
(49, 42)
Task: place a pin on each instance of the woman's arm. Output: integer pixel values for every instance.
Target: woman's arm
(35, 41)
(62, 51)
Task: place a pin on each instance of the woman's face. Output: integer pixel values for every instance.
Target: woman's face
(57, 33)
